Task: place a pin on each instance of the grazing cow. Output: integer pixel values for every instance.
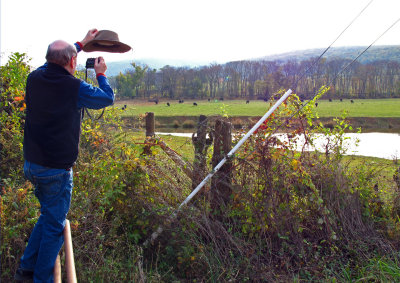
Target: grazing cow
(316, 104)
(247, 101)
(168, 104)
(352, 101)
(194, 104)
(330, 99)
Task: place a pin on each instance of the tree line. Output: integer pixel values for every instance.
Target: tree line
(261, 79)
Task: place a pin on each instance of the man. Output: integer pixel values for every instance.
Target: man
(54, 100)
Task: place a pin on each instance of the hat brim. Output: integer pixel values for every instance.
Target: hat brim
(106, 46)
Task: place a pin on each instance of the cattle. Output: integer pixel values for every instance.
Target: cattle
(168, 104)
(341, 100)
(155, 100)
(194, 104)
(330, 99)
(352, 101)
(247, 101)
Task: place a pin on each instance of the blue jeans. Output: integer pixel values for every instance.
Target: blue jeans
(53, 188)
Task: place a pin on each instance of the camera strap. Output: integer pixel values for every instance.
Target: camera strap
(86, 110)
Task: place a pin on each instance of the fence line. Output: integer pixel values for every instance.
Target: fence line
(160, 229)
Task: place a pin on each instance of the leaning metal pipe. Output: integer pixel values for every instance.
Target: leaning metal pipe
(69, 254)
(239, 144)
(222, 162)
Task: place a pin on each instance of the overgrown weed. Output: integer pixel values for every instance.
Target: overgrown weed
(293, 215)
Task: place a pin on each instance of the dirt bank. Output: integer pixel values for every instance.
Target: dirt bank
(367, 124)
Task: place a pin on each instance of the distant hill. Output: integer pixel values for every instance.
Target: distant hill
(375, 53)
(114, 68)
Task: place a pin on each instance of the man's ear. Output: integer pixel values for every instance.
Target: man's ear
(72, 62)
(70, 67)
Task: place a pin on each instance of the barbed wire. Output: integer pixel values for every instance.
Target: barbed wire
(315, 94)
(300, 108)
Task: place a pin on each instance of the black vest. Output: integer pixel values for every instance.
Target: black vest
(53, 120)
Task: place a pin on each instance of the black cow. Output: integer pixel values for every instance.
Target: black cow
(168, 104)
(194, 104)
(247, 101)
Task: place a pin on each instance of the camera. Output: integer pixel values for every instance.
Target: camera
(90, 63)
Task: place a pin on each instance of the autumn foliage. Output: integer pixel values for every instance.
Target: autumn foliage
(293, 215)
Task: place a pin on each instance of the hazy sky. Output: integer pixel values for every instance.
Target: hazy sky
(201, 30)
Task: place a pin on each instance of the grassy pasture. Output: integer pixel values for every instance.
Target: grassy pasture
(360, 108)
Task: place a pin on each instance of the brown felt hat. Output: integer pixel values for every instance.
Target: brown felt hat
(106, 41)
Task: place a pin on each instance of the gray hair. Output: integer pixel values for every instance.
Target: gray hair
(60, 52)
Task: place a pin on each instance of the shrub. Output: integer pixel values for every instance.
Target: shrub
(292, 214)
(12, 106)
(188, 124)
(176, 124)
(16, 200)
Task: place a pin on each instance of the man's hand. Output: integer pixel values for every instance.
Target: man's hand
(100, 66)
(89, 36)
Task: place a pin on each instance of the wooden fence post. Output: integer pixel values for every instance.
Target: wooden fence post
(150, 124)
(201, 145)
(150, 132)
(221, 182)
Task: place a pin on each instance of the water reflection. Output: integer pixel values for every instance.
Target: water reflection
(382, 145)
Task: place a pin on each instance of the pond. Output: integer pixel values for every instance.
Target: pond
(382, 145)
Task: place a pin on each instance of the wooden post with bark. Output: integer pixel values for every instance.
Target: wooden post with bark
(150, 131)
(201, 144)
(150, 122)
(221, 182)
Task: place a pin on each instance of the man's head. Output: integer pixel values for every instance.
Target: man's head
(62, 53)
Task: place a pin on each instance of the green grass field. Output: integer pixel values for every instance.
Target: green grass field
(360, 108)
